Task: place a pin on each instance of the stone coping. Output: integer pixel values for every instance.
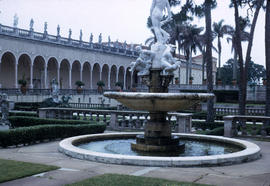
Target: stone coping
(147, 95)
(250, 153)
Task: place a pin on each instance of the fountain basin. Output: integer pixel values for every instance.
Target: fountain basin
(251, 152)
(162, 102)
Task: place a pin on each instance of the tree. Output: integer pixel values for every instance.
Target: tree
(257, 4)
(244, 23)
(219, 31)
(188, 41)
(267, 56)
(208, 5)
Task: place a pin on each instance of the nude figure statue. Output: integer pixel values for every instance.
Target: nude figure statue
(156, 13)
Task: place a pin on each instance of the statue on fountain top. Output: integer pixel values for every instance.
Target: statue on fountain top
(143, 63)
(168, 62)
(156, 13)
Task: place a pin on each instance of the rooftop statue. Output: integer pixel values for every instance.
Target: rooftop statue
(58, 30)
(81, 35)
(45, 27)
(15, 20)
(91, 38)
(31, 24)
(156, 13)
(69, 33)
(100, 38)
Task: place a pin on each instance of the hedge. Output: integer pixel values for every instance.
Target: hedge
(27, 106)
(27, 114)
(204, 125)
(20, 121)
(29, 135)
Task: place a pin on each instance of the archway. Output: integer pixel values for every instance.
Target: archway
(105, 75)
(39, 73)
(52, 69)
(24, 65)
(7, 70)
(64, 74)
(75, 73)
(128, 79)
(121, 74)
(113, 76)
(95, 75)
(86, 74)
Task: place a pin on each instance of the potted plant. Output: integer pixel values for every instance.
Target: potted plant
(219, 82)
(264, 81)
(176, 80)
(204, 81)
(119, 86)
(234, 82)
(190, 80)
(100, 85)
(79, 86)
(23, 83)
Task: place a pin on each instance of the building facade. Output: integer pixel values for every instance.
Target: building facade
(39, 58)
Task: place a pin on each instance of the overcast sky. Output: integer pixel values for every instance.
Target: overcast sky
(124, 20)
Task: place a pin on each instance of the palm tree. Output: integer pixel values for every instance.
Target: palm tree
(244, 23)
(189, 40)
(219, 31)
(208, 5)
(267, 56)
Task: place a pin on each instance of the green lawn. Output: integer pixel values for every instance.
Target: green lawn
(11, 170)
(125, 180)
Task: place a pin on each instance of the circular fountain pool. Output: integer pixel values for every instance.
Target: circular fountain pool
(200, 150)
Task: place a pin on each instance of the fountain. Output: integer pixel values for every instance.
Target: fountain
(156, 67)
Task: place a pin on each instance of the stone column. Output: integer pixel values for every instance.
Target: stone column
(45, 76)
(117, 71)
(229, 128)
(81, 74)
(125, 77)
(58, 74)
(91, 78)
(16, 75)
(69, 80)
(109, 79)
(100, 75)
(184, 122)
(131, 80)
(31, 76)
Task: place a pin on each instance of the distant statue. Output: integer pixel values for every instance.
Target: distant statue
(132, 47)
(116, 44)
(91, 38)
(69, 33)
(109, 41)
(168, 62)
(125, 45)
(100, 38)
(55, 90)
(156, 13)
(15, 20)
(58, 30)
(4, 103)
(45, 27)
(143, 63)
(31, 24)
(81, 35)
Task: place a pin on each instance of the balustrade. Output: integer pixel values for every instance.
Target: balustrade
(117, 120)
(236, 125)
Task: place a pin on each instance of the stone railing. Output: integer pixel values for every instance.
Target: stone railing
(117, 120)
(88, 105)
(236, 125)
(235, 111)
(45, 37)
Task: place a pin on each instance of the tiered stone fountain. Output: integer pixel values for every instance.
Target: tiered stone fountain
(156, 68)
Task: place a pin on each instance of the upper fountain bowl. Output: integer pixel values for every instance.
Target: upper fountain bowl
(163, 102)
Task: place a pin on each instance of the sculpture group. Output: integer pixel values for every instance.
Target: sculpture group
(160, 55)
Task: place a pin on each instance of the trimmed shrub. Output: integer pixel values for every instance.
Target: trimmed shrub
(217, 131)
(29, 135)
(20, 121)
(27, 114)
(27, 106)
(203, 125)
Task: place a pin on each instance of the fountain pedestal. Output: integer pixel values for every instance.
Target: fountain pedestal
(157, 131)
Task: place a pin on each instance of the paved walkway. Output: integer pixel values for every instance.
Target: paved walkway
(255, 173)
